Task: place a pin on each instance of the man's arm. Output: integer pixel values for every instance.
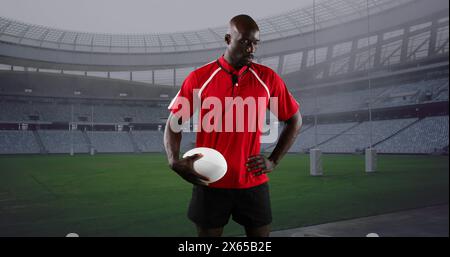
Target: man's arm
(172, 141)
(287, 138)
(184, 167)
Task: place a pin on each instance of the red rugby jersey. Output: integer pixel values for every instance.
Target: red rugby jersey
(213, 81)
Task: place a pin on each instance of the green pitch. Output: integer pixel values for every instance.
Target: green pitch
(137, 195)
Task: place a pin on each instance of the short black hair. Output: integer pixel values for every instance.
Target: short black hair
(244, 20)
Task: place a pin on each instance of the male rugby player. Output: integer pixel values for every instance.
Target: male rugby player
(243, 192)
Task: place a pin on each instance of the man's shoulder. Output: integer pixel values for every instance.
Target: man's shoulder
(261, 67)
(266, 73)
(199, 75)
(206, 69)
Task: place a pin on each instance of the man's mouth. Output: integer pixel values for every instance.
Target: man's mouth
(249, 57)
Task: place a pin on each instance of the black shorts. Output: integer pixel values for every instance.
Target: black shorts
(212, 207)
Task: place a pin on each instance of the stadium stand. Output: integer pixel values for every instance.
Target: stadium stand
(57, 112)
(18, 142)
(429, 135)
(188, 141)
(358, 138)
(338, 101)
(325, 132)
(424, 136)
(149, 141)
(110, 142)
(62, 141)
(387, 96)
(414, 93)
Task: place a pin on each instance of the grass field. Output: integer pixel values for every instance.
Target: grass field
(137, 195)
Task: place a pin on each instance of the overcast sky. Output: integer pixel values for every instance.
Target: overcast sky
(140, 16)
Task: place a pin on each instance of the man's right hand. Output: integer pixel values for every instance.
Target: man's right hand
(185, 168)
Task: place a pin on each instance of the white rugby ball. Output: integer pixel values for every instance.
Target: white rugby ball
(212, 165)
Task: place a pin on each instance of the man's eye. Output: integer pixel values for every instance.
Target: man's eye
(247, 42)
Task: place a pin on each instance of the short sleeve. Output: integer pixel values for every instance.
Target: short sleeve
(287, 105)
(182, 104)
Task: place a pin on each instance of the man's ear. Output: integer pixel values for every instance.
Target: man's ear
(227, 39)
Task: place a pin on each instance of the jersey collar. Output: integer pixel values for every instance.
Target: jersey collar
(230, 68)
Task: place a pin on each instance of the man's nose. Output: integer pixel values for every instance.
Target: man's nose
(251, 48)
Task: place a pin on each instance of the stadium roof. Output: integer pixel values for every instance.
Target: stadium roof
(295, 22)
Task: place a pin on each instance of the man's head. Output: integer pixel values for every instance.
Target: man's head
(242, 40)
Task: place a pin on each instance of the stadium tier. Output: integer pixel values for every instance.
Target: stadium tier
(18, 142)
(424, 136)
(149, 141)
(33, 110)
(108, 142)
(64, 141)
(358, 138)
(393, 95)
(430, 135)
(324, 132)
(46, 109)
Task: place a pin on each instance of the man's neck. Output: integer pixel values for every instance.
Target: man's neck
(230, 60)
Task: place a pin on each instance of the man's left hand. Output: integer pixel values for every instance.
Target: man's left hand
(259, 164)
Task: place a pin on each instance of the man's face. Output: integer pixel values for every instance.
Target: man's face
(242, 45)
